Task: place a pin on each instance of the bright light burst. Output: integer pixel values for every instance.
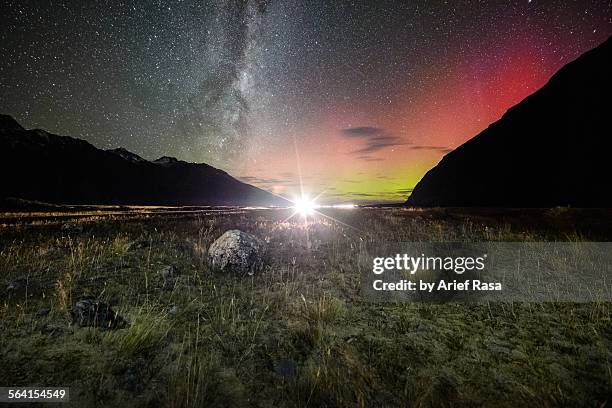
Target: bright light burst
(304, 206)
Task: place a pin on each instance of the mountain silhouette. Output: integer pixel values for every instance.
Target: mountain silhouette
(551, 149)
(37, 165)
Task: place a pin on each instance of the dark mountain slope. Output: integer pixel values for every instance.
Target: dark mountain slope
(126, 154)
(551, 149)
(37, 165)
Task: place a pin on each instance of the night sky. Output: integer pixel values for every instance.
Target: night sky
(361, 98)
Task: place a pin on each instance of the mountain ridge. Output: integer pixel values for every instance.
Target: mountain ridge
(66, 170)
(547, 150)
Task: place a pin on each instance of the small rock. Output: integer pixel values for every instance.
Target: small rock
(94, 280)
(168, 274)
(286, 368)
(17, 284)
(72, 227)
(137, 244)
(90, 312)
(23, 286)
(52, 330)
(133, 378)
(173, 311)
(51, 251)
(237, 252)
(43, 312)
(114, 301)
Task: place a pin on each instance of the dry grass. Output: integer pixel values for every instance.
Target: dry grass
(297, 334)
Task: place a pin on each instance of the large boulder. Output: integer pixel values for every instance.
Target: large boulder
(237, 252)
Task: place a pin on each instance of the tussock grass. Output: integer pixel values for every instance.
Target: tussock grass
(324, 310)
(147, 330)
(197, 379)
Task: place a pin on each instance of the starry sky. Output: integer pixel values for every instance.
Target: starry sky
(355, 99)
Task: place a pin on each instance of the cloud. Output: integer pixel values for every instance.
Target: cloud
(379, 144)
(362, 194)
(375, 139)
(363, 131)
(370, 158)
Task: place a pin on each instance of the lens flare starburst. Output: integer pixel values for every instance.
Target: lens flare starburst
(304, 206)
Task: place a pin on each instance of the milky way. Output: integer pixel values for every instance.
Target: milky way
(368, 95)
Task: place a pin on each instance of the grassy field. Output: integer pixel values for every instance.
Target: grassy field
(297, 334)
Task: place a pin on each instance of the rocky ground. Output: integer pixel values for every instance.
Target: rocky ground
(127, 311)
